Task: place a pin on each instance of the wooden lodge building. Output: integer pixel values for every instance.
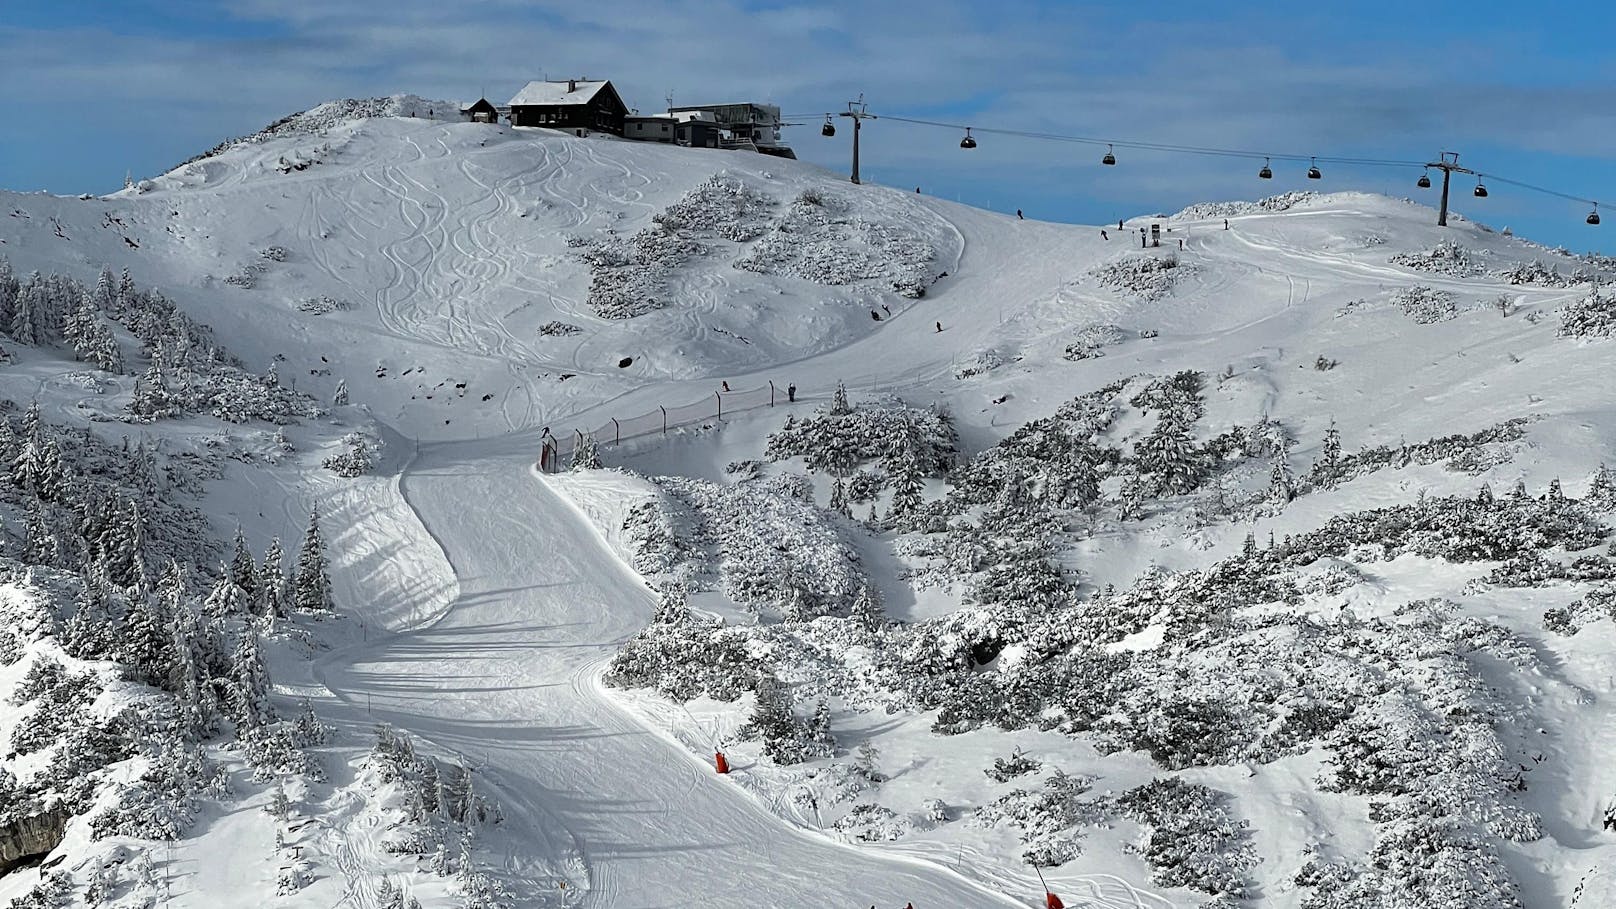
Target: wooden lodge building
(575, 104)
(480, 111)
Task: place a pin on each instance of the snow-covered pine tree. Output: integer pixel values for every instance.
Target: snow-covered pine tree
(1601, 489)
(1170, 455)
(838, 401)
(906, 489)
(104, 297)
(227, 600)
(77, 325)
(97, 346)
(151, 398)
(272, 593)
(1327, 469)
(1280, 490)
(838, 499)
(339, 398)
(28, 314)
(311, 587)
(146, 645)
(9, 287)
(249, 703)
(242, 570)
(41, 544)
(820, 742)
(866, 610)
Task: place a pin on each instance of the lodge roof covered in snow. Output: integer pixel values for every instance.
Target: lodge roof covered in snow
(566, 91)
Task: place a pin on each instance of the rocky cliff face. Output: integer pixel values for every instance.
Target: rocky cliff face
(31, 837)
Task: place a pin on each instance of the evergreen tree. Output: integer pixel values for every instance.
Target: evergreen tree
(838, 499)
(311, 587)
(866, 610)
(1327, 469)
(9, 288)
(1170, 456)
(250, 702)
(78, 324)
(906, 490)
(227, 600)
(1601, 489)
(29, 313)
(1280, 490)
(339, 398)
(272, 593)
(146, 644)
(96, 346)
(127, 296)
(242, 570)
(105, 295)
(838, 400)
(41, 546)
(820, 741)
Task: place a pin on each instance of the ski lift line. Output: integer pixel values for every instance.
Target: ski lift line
(1153, 146)
(1209, 151)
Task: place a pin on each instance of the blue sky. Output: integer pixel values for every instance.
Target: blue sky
(92, 89)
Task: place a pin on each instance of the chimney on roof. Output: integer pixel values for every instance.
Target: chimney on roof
(572, 85)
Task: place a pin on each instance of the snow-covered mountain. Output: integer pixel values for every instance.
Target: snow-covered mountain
(1266, 567)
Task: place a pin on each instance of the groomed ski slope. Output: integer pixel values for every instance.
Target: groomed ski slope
(448, 241)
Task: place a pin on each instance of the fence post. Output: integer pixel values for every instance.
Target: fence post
(720, 404)
(771, 392)
(664, 418)
(617, 432)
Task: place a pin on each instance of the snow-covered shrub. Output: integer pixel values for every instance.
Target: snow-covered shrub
(818, 239)
(275, 253)
(1446, 258)
(558, 329)
(1006, 769)
(1192, 841)
(1090, 341)
(355, 460)
(686, 657)
(1282, 202)
(1426, 305)
(1535, 273)
(322, 305)
(1416, 863)
(839, 437)
(1051, 820)
(871, 823)
(1593, 316)
(774, 551)
(1146, 277)
(722, 206)
(787, 738)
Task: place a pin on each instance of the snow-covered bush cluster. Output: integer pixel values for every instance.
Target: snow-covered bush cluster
(1533, 272)
(1090, 341)
(776, 553)
(1051, 819)
(1146, 277)
(354, 460)
(627, 276)
(1593, 316)
(430, 808)
(558, 329)
(1426, 305)
(1445, 258)
(840, 437)
(722, 206)
(1282, 202)
(1192, 839)
(322, 305)
(818, 239)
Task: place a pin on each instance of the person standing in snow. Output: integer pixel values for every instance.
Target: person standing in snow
(726, 386)
(1104, 235)
(791, 393)
(939, 328)
(1225, 223)
(1019, 216)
